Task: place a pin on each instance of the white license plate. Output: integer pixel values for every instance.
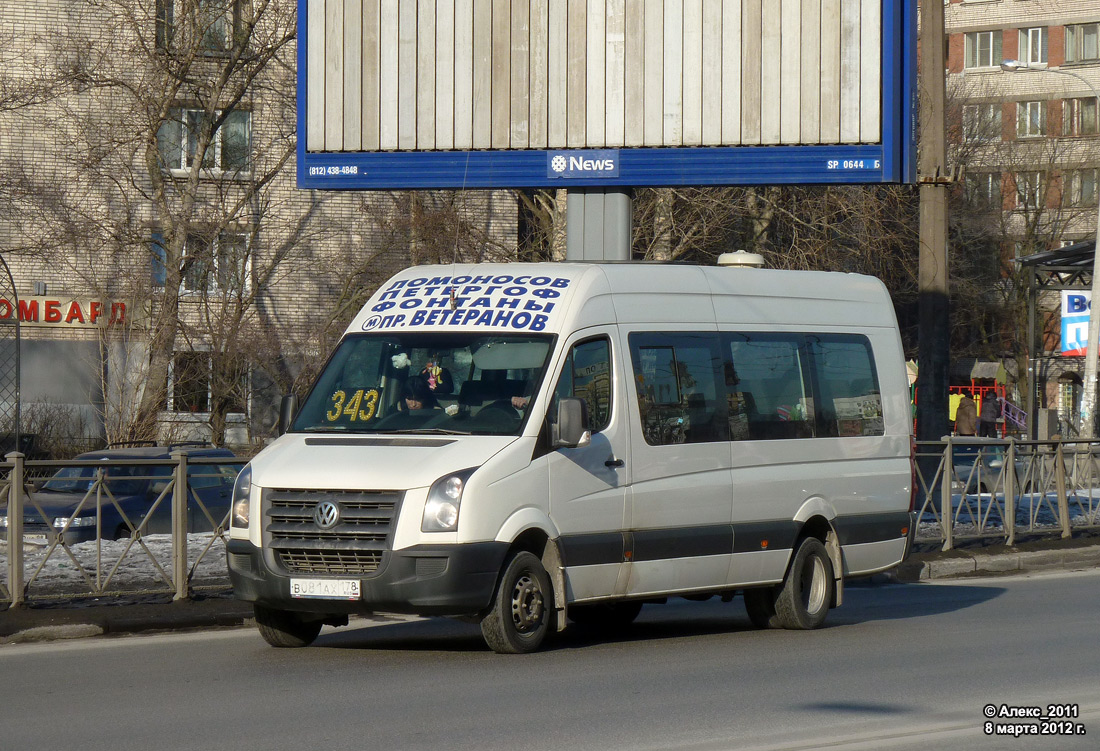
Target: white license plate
(325, 589)
(36, 539)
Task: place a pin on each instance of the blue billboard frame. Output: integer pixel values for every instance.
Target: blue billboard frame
(891, 161)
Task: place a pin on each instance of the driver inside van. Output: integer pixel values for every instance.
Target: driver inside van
(418, 395)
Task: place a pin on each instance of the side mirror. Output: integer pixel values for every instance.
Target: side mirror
(288, 407)
(571, 428)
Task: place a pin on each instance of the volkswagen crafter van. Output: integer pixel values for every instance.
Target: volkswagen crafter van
(532, 444)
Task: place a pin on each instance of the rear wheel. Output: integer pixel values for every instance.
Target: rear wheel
(522, 607)
(281, 628)
(805, 595)
(605, 616)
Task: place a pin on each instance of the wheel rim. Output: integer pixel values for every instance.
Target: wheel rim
(527, 604)
(813, 585)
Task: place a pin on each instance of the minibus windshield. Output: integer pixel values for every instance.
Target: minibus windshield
(427, 383)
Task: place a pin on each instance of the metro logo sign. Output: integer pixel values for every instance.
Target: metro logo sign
(574, 164)
(1075, 322)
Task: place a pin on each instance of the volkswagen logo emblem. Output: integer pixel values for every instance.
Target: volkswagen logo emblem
(327, 514)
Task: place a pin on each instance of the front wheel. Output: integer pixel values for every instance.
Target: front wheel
(522, 606)
(281, 628)
(804, 597)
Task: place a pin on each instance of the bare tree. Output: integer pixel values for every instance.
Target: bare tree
(168, 182)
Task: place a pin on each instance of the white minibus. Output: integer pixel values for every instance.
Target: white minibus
(530, 445)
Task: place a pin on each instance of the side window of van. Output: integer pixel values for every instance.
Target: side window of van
(681, 396)
(848, 398)
(587, 374)
(767, 382)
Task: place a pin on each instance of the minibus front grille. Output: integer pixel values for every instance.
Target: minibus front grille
(330, 561)
(352, 546)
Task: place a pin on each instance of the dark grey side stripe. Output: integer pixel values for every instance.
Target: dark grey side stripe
(750, 537)
(855, 530)
(682, 542)
(592, 549)
(717, 539)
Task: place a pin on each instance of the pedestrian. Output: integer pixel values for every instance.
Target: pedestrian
(966, 416)
(987, 419)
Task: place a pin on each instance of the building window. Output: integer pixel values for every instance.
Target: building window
(981, 122)
(1079, 188)
(228, 151)
(219, 265)
(1031, 119)
(1069, 399)
(205, 25)
(1033, 46)
(982, 49)
(192, 376)
(1029, 189)
(983, 189)
(1079, 117)
(1081, 43)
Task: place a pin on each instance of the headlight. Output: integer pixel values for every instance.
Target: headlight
(3, 521)
(242, 492)
(444, 501)
(78, 521)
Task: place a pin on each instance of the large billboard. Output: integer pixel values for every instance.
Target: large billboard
(583, 93)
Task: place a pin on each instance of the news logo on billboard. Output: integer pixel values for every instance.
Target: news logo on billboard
(1075, 322)
(590, 163)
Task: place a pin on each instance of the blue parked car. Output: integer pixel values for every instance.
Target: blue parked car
(66, 503)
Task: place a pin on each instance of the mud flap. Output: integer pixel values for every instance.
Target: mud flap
(552, 563)
(836, 557)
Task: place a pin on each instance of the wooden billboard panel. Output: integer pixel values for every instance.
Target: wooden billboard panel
(458, 75)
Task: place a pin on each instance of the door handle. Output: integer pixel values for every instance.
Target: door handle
(614, 463)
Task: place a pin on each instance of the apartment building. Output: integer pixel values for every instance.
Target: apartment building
(147, 195)
(1025, 141)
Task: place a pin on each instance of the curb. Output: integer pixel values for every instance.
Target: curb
(166, 617)
(972, 564)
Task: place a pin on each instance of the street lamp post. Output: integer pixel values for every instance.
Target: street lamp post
(1088, 397)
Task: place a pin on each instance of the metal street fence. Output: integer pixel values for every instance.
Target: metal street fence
(978, 488)
(967, 489)
(112, 539)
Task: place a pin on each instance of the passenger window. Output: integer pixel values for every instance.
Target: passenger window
(767, 387)
(681, 395)
(587, 374)
(848, 398)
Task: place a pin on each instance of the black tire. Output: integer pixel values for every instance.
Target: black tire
(605, 616)
(805, 596)
(281, 628)
(522, 608)
(760, 605)
(122, 533)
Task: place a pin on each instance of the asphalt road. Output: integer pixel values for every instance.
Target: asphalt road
(899, 666)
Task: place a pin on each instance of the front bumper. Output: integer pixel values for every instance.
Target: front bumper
(421, 580)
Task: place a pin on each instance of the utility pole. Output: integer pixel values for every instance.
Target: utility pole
(934, 309)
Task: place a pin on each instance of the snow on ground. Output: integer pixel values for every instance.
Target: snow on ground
(51, 573)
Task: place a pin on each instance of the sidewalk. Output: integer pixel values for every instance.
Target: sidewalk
(69, 620)
(979, 558)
